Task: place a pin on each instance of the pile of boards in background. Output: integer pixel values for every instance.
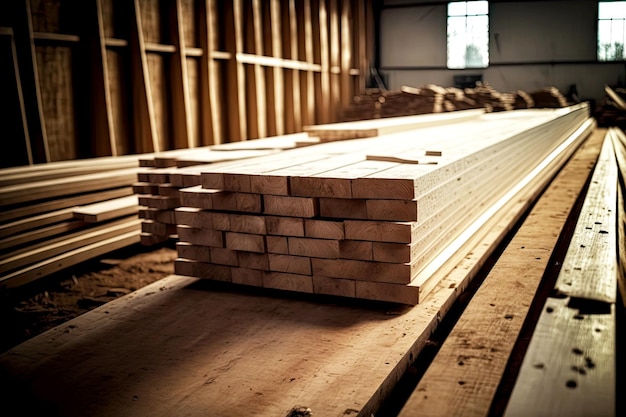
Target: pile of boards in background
(431, 98)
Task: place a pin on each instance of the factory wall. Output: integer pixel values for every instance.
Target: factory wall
(532, 45)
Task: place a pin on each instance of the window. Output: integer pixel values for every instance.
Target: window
(468, 34)
(611, 30)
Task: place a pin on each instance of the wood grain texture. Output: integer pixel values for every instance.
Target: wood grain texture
(570, 366)
(481, 341)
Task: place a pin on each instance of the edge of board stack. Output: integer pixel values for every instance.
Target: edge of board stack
(368, 218)
(59, 214)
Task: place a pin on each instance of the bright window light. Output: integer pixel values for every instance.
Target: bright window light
(468, 34)
(611, 30)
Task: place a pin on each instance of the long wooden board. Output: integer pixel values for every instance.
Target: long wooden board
(570, 366)
(465, 373)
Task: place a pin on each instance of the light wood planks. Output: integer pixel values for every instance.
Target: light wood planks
(59, 214)
(413, 212)
(465, 374)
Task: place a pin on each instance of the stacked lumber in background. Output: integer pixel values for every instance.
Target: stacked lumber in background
(341, 218)
(549, 97)
(432, 98)
(58, 214)
(162, 175)
(612, 110)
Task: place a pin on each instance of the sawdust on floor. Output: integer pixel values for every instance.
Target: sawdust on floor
(37, 307)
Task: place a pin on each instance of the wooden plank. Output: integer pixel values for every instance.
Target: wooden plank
(67, 186)
(68, 243)
(35, 222)
(290, 264)
(106, 210)
(619, 101)
(252, 260)
(570, 366)
(378, 127)
(619, 143)
(57, 204)
(245, 276)
(277, 244)
(589, 268)
(582, 312)
(493, 319)
(202, 237)
(67, 259)
(314, 248)
(245, 242)
(284, 226)
(224, 256)
(288, 282)
(324, 229)
(16, 240)
(290, 206)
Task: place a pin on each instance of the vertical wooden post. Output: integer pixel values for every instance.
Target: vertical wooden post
(104, 140)
(293, 46)
(259, 73)
(251, 81)
(305, 45)
(235, 88)
(146, 136)
(346, 54)
(335, 60)
(321, 57)
(273, 26)
(16, 142)
(181, 107)
(25, 47)
(207, 74)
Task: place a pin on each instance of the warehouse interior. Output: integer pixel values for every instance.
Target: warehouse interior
(312, 207)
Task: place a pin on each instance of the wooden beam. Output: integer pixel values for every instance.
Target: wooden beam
(183, 136)
(145, 131)
(108, 209)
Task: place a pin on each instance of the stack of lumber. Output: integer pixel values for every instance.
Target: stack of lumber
(162, 175)
(493, 100)
(549, 97)
(432, 98)
(59, 214)
(369, 218)
(612, 110)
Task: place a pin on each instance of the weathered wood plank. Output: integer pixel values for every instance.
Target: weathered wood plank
(570, 366)
(589, 268)
(481, 341)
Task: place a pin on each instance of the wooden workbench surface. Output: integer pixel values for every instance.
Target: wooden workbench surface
(186, 347)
